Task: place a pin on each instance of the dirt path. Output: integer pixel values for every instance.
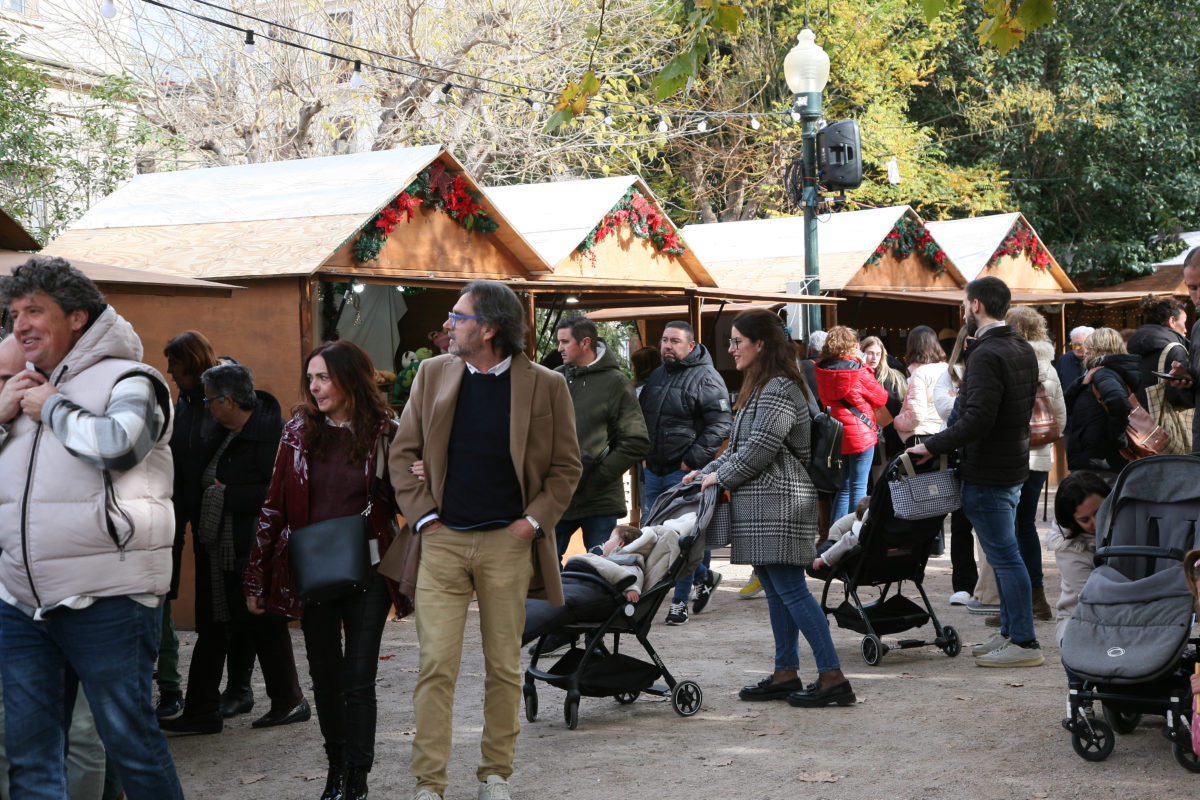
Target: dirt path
(926, 726)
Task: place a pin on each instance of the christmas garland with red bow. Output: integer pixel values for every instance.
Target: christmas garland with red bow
(908, 236)
(644, 220)
(1021, 239)
(433, 188)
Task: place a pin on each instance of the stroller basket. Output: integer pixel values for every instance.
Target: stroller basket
(895, 614)
(604, 676)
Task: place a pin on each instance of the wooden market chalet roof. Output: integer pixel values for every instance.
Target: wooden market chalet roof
(972, 243)
(768, 254)
(259, 220)
(557, 217)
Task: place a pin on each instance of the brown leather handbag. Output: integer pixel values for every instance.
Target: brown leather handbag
(1042, 428)
(1146, 437)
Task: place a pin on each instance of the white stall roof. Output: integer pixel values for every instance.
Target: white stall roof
(556, 217)
(1191, 239)
(970, 243)
(767, 254)
(357, 184)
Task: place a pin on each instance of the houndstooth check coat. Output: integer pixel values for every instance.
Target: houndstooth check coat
(774, 504)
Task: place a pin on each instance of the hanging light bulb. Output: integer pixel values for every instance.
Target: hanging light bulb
(356, 76)
(608, 120)
(893, 170)
(107, 9)
(795, 116)
(358, 288)
(754, 123)
(249, 48)
(702, 125)
(534, 104)
(663, 127)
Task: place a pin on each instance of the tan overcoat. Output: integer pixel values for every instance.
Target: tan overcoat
(545, 451)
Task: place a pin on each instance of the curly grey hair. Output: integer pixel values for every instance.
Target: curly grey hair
(234, 381)
(66, 285)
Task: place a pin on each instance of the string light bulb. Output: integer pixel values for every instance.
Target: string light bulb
(534, 104)
(356, 76)
(107, 9)
(249, 48)
(795, 116)
(358, 288)
(702, 125)
(754, 123)
(663, 127)
(608, 120)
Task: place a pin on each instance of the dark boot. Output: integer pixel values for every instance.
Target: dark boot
(1041, 607)
(335, 783)
(356, 783)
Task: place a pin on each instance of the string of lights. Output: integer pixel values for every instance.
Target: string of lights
(691, 121)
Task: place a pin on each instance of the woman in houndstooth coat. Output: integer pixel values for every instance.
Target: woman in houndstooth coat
(774, 508)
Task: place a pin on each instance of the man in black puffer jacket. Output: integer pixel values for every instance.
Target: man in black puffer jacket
(992, 430)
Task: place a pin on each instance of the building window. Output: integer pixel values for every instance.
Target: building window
(16, 6)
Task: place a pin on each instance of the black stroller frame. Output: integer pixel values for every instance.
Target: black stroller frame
(1168, 694)
(597, 669)
(890, 551)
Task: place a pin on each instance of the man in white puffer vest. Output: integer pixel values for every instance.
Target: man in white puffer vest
(86, 527)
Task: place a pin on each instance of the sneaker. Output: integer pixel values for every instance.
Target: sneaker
(678, 614)
(704, 591)
(170, 705)
(494, 788)
(1013, 655)
(960, 598)
(425, 794)
(998, 640)
(976, 607)
(751, 588)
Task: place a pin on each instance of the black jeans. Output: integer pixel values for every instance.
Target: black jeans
(964, 571)
(344, 680)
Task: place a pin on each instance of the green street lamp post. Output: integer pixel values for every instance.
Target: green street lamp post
(806, 70)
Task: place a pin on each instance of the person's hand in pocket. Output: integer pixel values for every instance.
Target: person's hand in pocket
(522, 529)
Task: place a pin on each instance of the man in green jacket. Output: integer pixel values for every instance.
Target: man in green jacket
(611, 430)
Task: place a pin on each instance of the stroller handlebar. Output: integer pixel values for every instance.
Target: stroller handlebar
(1135, 551)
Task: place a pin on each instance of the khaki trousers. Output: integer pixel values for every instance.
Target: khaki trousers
(497, 567)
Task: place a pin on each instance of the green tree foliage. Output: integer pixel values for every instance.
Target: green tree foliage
(1005, 23)
(56, 160)
(1093, 123)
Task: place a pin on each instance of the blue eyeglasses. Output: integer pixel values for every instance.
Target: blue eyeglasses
(454, 319)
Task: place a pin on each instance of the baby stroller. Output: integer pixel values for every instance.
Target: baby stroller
(1128, 643)
(600, 669)
(890, 551)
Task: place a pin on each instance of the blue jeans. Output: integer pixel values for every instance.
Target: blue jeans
(596, 531)
(993, 512)
(656, 485)
(111, 645)
(856, 474)
(793, 610)
(1028, 541)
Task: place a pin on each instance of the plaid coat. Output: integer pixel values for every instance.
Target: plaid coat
(774, 504)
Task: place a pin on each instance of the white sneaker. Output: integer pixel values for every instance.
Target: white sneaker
(1012, 655)
(960, 598)
(494, 788)
(425, 794)
(995, 643)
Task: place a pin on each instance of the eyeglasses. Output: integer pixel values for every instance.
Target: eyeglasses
(208, 401)
(1079, 346)
(735, 342)
(454, 319)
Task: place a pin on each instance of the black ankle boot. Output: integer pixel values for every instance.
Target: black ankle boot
(356, 783)
(335, 783)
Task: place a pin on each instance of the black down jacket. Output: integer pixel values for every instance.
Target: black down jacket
(687, 412)
(1095, 436)
(1148, 343)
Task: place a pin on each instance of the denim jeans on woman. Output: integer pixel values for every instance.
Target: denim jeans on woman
(1028, 541)
(993, 512)
(793, 610)
(111, 646)
(856, 474)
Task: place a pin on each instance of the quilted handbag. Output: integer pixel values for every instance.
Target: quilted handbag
(921, 495)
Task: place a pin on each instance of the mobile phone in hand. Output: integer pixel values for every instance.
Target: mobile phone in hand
(1167, 376)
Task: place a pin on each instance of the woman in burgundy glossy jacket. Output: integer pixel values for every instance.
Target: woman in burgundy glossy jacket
(325, 468)
(849, 389)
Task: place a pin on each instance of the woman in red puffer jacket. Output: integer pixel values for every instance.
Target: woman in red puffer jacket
(849, 389)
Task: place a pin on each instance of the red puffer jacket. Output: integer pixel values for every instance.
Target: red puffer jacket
(269, 573)
(847, 379)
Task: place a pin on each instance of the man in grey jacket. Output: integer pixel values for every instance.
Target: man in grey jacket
(687, 411)
(86, 527)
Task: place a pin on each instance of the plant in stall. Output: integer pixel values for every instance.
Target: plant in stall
(1021, 239)
(646, 222)
(433, 188)
(906, 237)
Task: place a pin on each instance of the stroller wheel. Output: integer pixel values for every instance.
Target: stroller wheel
(686, 697)
(1093, 740)
(873, 649)
(1122, 722)
(953, 645)
(531, 707)
(1182, 750)
(625, 698)
(571, 711)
